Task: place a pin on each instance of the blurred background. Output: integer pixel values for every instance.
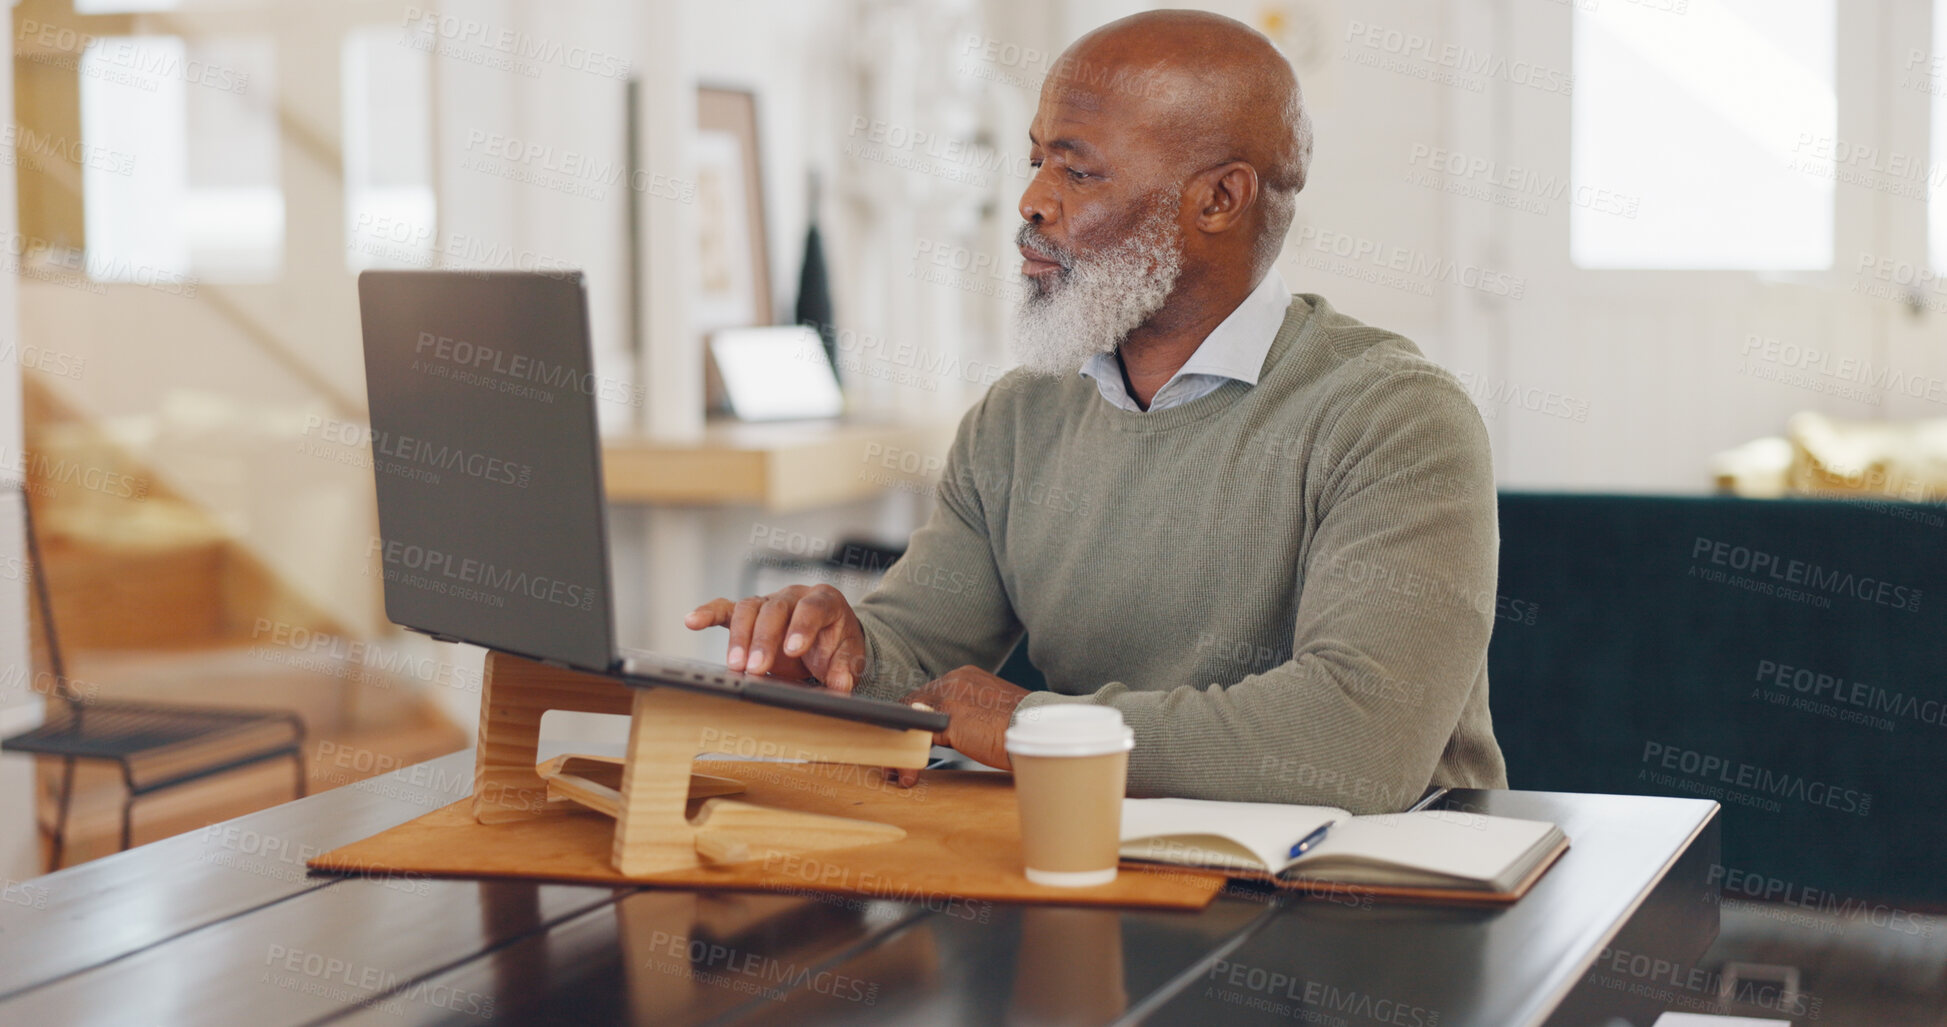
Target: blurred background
(1673, 247)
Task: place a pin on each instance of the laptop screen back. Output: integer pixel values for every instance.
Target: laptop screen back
(488, 464)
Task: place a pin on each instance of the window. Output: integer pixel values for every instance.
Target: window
(1718, 120)
(1928, 72)
(123, 6)
(389, 200)
(198, 194)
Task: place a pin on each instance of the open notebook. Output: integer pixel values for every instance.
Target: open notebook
(1406, 853)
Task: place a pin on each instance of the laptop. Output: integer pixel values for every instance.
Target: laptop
(493, 524)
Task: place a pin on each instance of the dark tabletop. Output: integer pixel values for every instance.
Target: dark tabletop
(224, 925)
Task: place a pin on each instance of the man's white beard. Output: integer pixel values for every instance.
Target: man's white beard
(1097, 300)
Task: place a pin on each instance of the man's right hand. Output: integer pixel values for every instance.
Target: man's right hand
(798, 632)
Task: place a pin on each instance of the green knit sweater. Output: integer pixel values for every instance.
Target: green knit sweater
(1287, 588)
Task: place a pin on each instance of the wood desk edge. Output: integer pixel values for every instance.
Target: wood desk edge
(1704, 823)
(788, 466)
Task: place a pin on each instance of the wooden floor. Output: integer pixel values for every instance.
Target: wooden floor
(1884, 969)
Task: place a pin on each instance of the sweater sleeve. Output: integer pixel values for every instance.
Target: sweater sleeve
(1392, 624)
(942, 605)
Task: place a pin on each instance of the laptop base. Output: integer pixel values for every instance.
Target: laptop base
(653, 669)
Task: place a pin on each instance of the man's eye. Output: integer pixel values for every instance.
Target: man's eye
(1035, 163)
(1076, 174)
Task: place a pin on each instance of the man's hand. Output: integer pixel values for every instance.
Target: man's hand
(981, 705)
(798, 632)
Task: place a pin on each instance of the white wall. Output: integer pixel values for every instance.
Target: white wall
(1649, 360)
(20, 708)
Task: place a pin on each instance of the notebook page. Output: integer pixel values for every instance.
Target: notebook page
(1467, 847)
(1266, 830)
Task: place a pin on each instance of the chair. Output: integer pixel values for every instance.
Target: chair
(158, 746)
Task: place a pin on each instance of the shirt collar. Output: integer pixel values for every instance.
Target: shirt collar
(1235, 349)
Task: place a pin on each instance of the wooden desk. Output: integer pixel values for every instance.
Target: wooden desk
(223, 926)
(782, 466)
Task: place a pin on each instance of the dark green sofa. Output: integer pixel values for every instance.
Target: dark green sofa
(1787, 657)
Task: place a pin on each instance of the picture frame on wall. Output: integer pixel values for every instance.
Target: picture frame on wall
(734, 282)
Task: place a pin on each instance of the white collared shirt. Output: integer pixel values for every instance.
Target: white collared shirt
(1234, 350)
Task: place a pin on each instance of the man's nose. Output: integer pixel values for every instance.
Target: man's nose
(1038, 205)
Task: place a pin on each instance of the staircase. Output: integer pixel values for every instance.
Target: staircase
(158, 598)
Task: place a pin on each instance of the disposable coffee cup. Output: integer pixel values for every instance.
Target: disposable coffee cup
(1071, 763)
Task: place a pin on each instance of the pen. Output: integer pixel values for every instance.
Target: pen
(1304, 844)
(1433, 795)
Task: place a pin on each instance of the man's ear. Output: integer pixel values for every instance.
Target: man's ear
(1225, 193)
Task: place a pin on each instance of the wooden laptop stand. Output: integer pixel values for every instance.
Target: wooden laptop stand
(649, 789)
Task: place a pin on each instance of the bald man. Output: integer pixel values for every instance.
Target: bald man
(1263, 531)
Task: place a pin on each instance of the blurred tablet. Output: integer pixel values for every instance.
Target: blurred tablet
(776, 374)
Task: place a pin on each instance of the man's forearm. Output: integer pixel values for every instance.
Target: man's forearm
(1314, 731)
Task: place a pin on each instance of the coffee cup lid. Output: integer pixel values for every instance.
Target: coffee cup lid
(1069, 729)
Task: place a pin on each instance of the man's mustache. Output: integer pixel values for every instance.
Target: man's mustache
(1029, 239)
